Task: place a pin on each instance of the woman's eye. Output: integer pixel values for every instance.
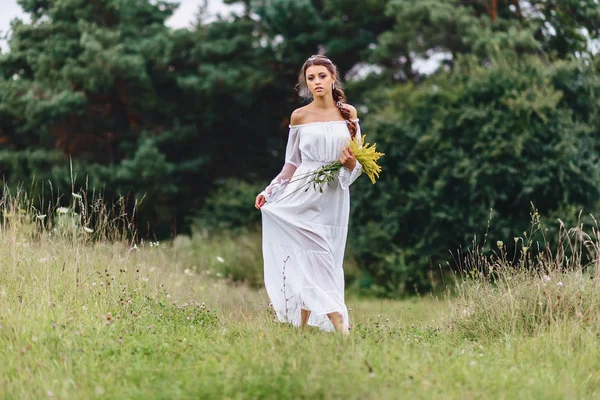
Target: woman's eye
(311, 78)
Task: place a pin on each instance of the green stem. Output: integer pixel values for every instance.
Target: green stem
(334, 166)
(324, 170)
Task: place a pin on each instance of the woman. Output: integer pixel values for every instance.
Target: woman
(304, 232)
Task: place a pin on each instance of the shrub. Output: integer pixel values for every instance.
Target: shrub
(229, 207)
(481, 138)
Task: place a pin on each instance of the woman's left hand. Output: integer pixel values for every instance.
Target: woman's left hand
(347, 159)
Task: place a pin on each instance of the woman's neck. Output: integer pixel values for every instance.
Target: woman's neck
(323, 103)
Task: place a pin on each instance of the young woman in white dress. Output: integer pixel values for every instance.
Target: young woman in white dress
(304, 231)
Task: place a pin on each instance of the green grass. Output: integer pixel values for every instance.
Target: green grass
(82, 319)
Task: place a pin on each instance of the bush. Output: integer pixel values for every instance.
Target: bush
(499, 137)
(229, 207)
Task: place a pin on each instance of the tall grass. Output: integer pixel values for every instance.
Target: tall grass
(104, 314)
(538, 287)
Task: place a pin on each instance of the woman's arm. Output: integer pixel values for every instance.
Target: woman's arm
(292, 161)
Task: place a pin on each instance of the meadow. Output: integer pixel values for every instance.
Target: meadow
(87, 312)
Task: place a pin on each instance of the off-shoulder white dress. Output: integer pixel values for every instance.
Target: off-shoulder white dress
(304, 232)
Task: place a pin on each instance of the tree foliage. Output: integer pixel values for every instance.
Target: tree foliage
(425, 28)
(496, 138)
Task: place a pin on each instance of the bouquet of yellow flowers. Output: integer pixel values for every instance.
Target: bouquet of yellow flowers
(365, 154)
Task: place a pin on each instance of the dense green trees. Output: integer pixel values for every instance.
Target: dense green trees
(136, 104)
(179, 116)
(511, 118)
(85, 80)
(495, 137)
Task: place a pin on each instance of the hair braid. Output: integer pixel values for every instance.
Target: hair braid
(339, 97)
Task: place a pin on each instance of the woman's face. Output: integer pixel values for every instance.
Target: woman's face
(319, 80)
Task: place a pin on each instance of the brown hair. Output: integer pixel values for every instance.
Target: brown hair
(338, 94)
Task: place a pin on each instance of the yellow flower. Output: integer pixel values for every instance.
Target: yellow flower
(367, 156)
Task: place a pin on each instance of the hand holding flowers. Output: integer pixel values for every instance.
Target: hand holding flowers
(347, 159)
(357, 151)
(367, 156)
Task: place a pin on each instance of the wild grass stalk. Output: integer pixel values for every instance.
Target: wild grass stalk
(537, 287)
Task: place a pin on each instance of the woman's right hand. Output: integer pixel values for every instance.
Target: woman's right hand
(260, 201)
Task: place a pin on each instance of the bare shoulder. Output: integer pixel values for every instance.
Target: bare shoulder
(352, 109)
(298, 116)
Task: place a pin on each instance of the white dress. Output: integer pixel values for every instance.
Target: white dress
(304, 232)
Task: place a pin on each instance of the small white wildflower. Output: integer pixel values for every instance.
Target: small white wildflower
(41, 217)
(547, 278)
(134, 248)
(77, 196)
(62, 210)
(559, 284)
(220, 259)
(88, 230)
(500, 243)
(473, 362)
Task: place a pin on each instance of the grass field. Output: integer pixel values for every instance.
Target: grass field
(86, 319)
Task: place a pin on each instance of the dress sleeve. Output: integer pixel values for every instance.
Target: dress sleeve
(292, 160)
(346, 176)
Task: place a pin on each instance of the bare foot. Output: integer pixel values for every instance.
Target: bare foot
(338, 322)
